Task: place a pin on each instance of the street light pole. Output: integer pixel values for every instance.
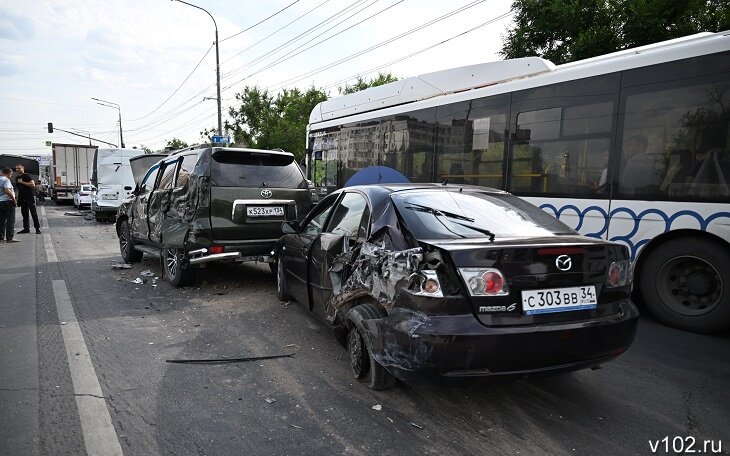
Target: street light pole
(109, 104)
(217, 64)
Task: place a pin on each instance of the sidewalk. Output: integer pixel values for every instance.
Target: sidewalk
(19, 345)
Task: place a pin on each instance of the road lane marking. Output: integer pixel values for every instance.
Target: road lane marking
(96, 423)
(47, 242)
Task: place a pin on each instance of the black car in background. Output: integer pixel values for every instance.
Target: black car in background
(430, 281)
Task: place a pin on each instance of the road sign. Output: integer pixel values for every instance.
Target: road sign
(221, 139)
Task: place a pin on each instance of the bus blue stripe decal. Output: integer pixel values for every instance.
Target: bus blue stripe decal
(634, 247)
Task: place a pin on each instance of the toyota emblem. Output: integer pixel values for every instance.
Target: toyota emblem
(266, 193)
(563, 262)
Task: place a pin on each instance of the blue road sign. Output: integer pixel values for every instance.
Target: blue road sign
(221, 139)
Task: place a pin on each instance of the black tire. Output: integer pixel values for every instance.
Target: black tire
(178, 274)
(126, 245)
(282, 291)
(685, 283)
(362, 364)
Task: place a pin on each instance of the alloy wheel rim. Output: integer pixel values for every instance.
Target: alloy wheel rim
(124, 239)
(171, 262)
(689, 285)
(355, 353)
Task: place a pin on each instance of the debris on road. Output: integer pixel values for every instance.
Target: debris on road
(137, 280)
(417, 426)
(295, 426)
(227, 360)
(121, 266)
(147, 273)
(270, 400)
(377, 407)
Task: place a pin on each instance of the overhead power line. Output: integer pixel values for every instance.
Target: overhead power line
(178, 87)
(413, 54)
(289, 55)
(379, 45)
(273, 33)
(292, 40)
(261, 21)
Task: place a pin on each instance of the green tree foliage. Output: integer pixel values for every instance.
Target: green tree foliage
(568, 30)
(263, 121)
(177, 143)
(362, 84)
(146, 149)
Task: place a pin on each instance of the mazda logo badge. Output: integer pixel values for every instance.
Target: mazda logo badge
(563, 262)
(266, 193)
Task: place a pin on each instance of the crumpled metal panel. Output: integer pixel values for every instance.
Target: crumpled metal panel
(183, 205)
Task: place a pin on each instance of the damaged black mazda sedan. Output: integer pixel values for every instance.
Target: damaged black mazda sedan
(446, 282)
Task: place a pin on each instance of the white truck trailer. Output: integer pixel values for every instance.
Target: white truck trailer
(72, 167)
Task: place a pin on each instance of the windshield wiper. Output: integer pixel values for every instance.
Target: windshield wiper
(430, 210)
(437, 212)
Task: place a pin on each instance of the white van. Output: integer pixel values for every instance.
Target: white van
(113, 179)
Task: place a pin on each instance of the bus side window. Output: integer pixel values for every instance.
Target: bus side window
(561, 138)
(686, 133)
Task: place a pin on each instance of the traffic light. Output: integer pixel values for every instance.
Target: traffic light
(50, 127)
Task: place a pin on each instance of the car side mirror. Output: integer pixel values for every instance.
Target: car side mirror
(289, 227)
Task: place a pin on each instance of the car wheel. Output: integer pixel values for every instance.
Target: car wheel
(175, 271)
(686, 284)
(126, 245)
(281, 290)
(362, 364)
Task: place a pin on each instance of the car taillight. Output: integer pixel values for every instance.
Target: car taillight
(484, 281)
(429, 284)
(619, 274)
(215, 249)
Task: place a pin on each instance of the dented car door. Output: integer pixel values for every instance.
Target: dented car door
(159, 202)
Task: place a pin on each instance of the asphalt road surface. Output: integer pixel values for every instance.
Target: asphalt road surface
(83, 370)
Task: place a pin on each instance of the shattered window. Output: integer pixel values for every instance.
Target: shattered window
(454, 215)
(169, 176)
(316, 224)
(348, 215)
(186, 170)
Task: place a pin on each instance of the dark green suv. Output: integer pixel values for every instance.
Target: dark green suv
(205, 204)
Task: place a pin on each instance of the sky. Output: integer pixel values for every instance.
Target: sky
(155, 59)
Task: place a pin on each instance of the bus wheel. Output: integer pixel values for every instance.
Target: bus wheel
(686, 284)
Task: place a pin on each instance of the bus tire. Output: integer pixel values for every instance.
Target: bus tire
(685, 283)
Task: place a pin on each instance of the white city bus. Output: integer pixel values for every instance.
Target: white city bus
(632, 147)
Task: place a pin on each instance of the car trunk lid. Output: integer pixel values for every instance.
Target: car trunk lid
(549, 268)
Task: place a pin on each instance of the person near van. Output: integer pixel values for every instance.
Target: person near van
(8, 204)
(26, 199)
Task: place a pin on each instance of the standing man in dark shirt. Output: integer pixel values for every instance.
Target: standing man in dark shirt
(26, 199)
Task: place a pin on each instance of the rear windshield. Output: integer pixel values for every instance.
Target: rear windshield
(454, 215)
(246, 169)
